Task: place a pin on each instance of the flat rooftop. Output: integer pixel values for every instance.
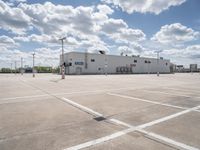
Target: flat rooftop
(100, 112)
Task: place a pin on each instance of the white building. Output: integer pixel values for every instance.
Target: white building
(90, 63)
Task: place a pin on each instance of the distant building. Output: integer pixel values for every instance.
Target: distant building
(179, 68)
(193, 68)
(90, 63)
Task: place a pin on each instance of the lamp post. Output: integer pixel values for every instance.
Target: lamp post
(11, 68)
(62, 58)
(158, 55)
(21, 66)
(33, 70)
(15, 67)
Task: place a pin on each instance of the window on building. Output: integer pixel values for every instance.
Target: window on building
(166, 64)
(145, 61)
(92, 60)
(135, 61)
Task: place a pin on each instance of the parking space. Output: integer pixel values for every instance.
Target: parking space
(130, 141)
(99, 112)
(185, 129)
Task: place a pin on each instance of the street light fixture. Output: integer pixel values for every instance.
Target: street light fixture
(62, 63)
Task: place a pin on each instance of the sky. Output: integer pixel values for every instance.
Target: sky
(131, 27)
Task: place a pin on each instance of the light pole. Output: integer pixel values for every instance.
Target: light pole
(11, 69)
(158, 55)
(33, 65)
(106, 64)
(15, 67)
(62, 57)
(21, 66)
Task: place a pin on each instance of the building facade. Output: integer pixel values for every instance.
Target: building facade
(193, 68)
(90, 63)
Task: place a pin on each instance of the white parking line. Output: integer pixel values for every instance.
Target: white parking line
(182, 95)
(63, 93)
(97, 141)
(132, 128)
(21, 97)
(171, 142)
(183, 90)
(83, 108)
(145, 100)
(149, 101)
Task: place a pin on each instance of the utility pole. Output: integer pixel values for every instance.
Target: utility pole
(158, 63)
(106, 64)
(21, 66)
(158, 57)
(11, 68)
(62, 58)
(33, 70)
(15, 67)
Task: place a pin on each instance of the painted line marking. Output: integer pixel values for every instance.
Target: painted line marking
(21, 97)
(97, 141)
(182, 90)
(145, 100)
(131, 129)
(165, 140)
(173, 94)
(83, 108)
(63, 93)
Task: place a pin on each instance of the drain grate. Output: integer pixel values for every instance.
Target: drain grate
(99, 118)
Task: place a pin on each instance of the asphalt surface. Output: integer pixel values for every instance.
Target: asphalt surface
(100, 112)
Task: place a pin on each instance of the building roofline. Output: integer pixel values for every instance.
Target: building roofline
(75, 52)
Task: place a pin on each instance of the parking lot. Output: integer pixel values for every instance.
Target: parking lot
(100, 112)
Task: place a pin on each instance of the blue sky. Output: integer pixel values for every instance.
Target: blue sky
(132, 27)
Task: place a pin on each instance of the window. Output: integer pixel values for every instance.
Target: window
(145, 61)
(166, 64)
(135, 61)
(92, 60)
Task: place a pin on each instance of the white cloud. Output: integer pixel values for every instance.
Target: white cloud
(104, 9)
(44, 57)
(118, 30)
(130, 35)
(144, 6)
(174, 34)
(133, 48)
(6, 42)
(125, 50)
(191, 51)
(13, 19)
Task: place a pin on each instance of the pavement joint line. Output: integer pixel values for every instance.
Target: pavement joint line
(182, 95)
(131, 129)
